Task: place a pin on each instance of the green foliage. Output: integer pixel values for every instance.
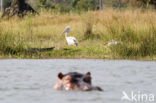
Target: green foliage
(145, 3)
(74, 3)
(42, 2)
(134, 32)
(69, 5)
(85, 5)
(117, 4)
(10, 45)
(136, 43)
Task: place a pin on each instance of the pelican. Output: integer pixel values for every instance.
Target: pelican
(113, 42)
(70, 40)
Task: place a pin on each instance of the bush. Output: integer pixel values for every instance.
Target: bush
(85, 5)
(67, 6)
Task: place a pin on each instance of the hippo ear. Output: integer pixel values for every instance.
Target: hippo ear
(60, 75)
(88, 73)
(88, 78)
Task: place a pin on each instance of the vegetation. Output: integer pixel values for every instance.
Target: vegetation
(135, 32)
(85, 5)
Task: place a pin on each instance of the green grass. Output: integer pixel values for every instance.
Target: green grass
(134, 30)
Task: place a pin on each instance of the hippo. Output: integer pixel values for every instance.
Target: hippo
(75, 81)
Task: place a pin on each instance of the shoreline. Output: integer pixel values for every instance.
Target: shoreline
(73, 58)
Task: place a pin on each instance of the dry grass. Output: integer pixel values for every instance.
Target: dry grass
(135, 30)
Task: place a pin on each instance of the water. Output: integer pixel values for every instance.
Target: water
(31, 81)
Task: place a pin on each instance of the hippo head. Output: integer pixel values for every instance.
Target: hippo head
(75, 81)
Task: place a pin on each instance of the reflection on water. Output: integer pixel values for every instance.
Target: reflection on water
(31, 81)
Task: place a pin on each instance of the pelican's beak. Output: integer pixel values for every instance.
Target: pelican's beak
(66, 30)
(63, 32)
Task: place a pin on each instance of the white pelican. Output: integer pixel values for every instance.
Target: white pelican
(70, 40)
(113, 42)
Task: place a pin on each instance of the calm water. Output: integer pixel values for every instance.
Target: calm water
(31, 81)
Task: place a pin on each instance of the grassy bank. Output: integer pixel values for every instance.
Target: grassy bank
(135, 32)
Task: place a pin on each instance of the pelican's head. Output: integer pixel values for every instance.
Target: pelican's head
(67, 30)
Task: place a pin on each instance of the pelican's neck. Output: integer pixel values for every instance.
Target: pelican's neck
(66, 34)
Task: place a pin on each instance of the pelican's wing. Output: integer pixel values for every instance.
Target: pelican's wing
(74, 40)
